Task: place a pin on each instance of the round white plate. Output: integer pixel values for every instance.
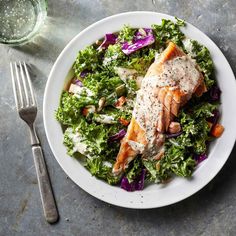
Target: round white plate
(154, 195)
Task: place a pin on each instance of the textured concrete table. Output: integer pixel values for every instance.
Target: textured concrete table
(211, 211)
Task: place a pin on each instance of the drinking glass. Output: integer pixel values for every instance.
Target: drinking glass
(20, 20)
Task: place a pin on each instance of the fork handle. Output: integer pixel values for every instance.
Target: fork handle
(45, 189)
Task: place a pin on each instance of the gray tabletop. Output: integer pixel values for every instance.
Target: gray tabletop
(209, 212)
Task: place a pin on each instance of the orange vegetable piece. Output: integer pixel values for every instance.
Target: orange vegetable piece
(217, 130)
(124, 121)
(120, 102)
(85, 111)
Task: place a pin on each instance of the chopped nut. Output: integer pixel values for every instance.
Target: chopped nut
(174, 127)
(101, 103)
(120, 102)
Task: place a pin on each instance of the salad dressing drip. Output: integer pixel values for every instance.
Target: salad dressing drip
(179, 73)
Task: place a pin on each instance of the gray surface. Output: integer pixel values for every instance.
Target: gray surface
(211, 211)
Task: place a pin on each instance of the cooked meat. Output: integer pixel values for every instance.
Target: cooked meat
(169, 83)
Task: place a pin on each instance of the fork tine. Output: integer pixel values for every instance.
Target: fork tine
(19, 86)
(14, 86)
(30, 84)
(24, 84)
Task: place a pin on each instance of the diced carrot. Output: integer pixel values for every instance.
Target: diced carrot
(85, 111)
(120, 102)
(217, 130)
(124, 121)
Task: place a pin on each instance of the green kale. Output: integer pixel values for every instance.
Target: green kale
(69, 111)
(135, 170)
(126, 34)
(195, 128)
(168, 30)
(101, 170)
(102, 83)
(203, 58)
(139, 60)
(152, 171)
(95, 136)
(88, 59)
(67, 141)
(177, 160)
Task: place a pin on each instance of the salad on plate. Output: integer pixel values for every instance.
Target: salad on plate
(142, 107)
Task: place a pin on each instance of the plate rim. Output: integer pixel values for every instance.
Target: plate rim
(62, 54)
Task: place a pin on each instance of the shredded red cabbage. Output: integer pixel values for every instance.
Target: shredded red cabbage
(200, 158)
(137, 184)
(142, 38)
(84, 73)
(79, 82)
(142, 33)
(117, 136)
(109, 39)
(174, 135)
(215, 93)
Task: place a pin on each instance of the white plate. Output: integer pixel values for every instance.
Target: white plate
(154, 195)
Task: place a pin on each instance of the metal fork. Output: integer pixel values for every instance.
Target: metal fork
(27, 109)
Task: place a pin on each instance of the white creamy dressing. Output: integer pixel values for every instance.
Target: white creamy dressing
(137, 147)
(105, 119)
(107, 163)
(182, 73)
(77, 90)
(189, 47)
(107, 60)
(77, 139)
(125, 73)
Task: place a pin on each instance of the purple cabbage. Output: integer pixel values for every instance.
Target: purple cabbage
(79, 82)
(200, 158)
(215, 93)
(84, 73)
(109, 39)
(117, 136)
(142, 38)
(141, 33)
(137, 184)
(174, 135)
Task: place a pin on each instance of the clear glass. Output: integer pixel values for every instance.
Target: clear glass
(20, 20)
